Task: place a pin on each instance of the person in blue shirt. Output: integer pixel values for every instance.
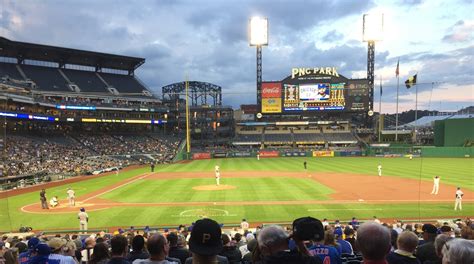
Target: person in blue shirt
(327, 254)
(24, 257)
(346, 247)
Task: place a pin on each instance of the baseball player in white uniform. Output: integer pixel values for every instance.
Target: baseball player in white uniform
(71, 196)
(218, 175)
(458, 203)
(379, 169)
(435, 185)
(83, 219)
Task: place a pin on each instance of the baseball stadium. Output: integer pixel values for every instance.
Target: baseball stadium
(82, 121)
(95, 162)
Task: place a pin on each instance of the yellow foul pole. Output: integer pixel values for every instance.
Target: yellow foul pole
(188, 134)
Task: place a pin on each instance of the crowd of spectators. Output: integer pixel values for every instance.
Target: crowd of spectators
(308, 240)
(28, 155)
(107, 144)
(71, 155)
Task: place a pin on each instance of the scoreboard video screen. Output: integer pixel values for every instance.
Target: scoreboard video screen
(313, 97)
(314, 93)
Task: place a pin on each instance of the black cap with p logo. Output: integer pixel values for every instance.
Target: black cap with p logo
(206, 238)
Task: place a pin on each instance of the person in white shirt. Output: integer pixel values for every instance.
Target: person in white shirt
(435, 185)
(218, 175)
(244, 225)
(54, 201)
(71, 196)
(376, 220)
(83, 219)
(379, 169)
(458, 202)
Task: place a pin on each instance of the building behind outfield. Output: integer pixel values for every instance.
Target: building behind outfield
(454, 132)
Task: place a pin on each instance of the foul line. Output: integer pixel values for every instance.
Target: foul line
(115, 188)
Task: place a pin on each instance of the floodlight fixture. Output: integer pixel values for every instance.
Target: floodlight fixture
(372, 29)
(258, 31)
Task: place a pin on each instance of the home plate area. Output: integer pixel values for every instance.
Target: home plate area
(204, 213)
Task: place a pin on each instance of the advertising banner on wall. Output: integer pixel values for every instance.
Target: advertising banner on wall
(271, 90)
(323, 153)
(268, 154)
(271, 105)
(242, 154)
(203, 155)
(294, 154)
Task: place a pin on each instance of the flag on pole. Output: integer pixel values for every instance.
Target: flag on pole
(411, 81)
(380, 87)
(397, 71)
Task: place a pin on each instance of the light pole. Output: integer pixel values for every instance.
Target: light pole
(258, 36)
(372, 31)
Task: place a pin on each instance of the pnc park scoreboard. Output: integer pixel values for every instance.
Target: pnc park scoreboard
(314, 90)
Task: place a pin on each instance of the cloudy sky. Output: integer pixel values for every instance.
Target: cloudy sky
(207, 40)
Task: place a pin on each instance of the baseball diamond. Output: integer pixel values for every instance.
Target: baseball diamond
(276, 189)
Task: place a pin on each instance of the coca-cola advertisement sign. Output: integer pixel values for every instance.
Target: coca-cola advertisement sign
(271, 90)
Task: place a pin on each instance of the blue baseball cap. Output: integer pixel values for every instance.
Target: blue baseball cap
(33, 242)
(42, 249)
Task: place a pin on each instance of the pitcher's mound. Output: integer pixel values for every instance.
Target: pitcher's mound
(213, 187)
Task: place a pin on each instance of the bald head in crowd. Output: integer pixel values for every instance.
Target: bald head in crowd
(407, 241)
(373, 240)
(157, 246)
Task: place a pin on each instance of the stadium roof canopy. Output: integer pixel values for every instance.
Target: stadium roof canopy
(62, 56)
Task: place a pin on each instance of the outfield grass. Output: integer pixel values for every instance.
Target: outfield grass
(457, 172)
(247, 189)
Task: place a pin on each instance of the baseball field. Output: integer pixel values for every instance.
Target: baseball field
(262, 191)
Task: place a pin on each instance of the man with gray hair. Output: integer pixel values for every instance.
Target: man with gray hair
(373, 241)
(458, 251)
(407, 242)
(273, 244)
(158, 247)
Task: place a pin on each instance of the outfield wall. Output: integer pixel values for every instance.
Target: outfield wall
(397, 151)
(451, 152)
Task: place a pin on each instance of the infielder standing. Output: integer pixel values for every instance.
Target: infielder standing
(218, 175)
(83, 219)
(71, 196)
(435, 185)
(459, 195)
(379, 169)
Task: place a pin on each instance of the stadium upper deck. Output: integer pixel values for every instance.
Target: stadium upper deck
(57, 71)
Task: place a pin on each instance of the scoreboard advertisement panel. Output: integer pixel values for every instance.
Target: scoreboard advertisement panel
(315, 90)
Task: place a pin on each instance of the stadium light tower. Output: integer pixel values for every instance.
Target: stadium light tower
(258, 28)
(372, 31)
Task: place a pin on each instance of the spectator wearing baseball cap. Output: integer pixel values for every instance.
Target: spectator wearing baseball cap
(56, 244)
(308, 228)
(346, 247)
(24, 257)
(40, 255)
(206, 242)
(427, 250)
(273, 244)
